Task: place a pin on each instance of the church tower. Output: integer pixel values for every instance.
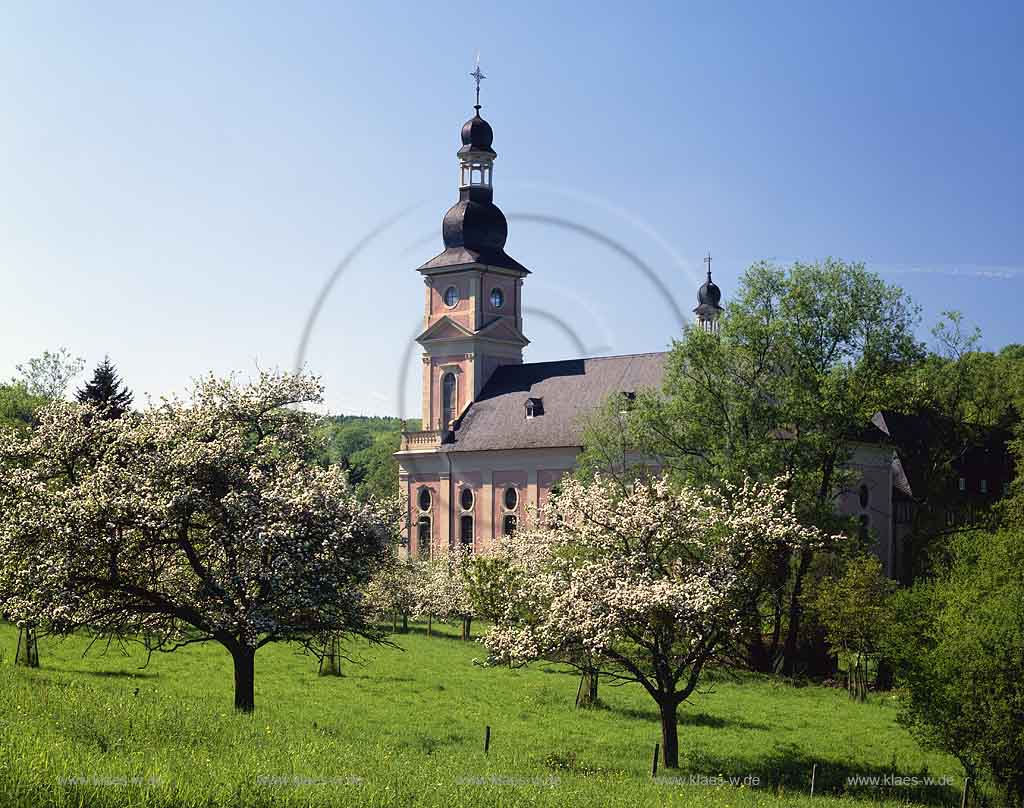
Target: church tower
(473, 314)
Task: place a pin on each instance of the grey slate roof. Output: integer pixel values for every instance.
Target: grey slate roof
(569, 389)
(460, 256)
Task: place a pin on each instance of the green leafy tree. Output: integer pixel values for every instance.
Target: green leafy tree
(18, 406)
(805, 356)
(105, 391)
(48, 375)
(965, 398)
(854, 609)
(364, 446)
(374, 470)
(956, 646)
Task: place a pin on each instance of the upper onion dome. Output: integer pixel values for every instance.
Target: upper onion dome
(477, 136)
(709, 294)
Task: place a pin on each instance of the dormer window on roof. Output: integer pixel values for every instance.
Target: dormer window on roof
(534, 407)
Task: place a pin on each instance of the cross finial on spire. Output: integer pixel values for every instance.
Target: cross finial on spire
(707, 261)
(478, 77)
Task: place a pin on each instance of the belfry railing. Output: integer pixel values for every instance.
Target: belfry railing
(421, 441)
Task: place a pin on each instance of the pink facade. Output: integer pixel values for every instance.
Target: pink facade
(501, 484)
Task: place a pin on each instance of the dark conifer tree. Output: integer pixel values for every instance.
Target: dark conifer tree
(106, 391)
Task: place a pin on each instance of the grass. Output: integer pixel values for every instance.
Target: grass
(407, 727)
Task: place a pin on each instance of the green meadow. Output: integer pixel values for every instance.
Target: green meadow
(406, 727)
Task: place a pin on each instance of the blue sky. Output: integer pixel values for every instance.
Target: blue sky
(178, 183)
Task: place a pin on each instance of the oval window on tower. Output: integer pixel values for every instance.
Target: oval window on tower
(511, 498)
(424, 499)
(451, 296)
(497, 298)
(466, 499)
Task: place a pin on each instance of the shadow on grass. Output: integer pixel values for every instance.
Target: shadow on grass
(119, 674)
(787, 768)
(689, 719)
(564, 669)
(427, 744)
(379, 678)
(441, 631)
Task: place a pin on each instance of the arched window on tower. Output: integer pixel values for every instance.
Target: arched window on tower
(466, 531)
(447, 400)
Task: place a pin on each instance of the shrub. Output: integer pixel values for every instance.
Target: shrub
(958, 646)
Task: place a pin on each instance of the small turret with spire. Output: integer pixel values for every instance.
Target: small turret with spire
(709, 297)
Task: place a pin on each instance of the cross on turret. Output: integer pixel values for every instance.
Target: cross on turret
(477, 77)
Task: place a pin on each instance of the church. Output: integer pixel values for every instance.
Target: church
(497, 432)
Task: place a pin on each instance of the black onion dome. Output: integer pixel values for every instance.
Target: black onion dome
(477, 135)
(478, 225)
(709, 294)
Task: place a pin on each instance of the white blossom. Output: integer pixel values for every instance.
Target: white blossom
(189, 521)
(649, 585)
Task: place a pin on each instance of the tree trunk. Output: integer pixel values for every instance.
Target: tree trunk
(758, 657)
(858, 679)
(430, 625)
(791, 648)
(467, 622)
(330, 662)
(28, 648)
(405, 623)
(245, 676)
(883, 675)
(586, 695)
(669, 734)
(795, 613)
